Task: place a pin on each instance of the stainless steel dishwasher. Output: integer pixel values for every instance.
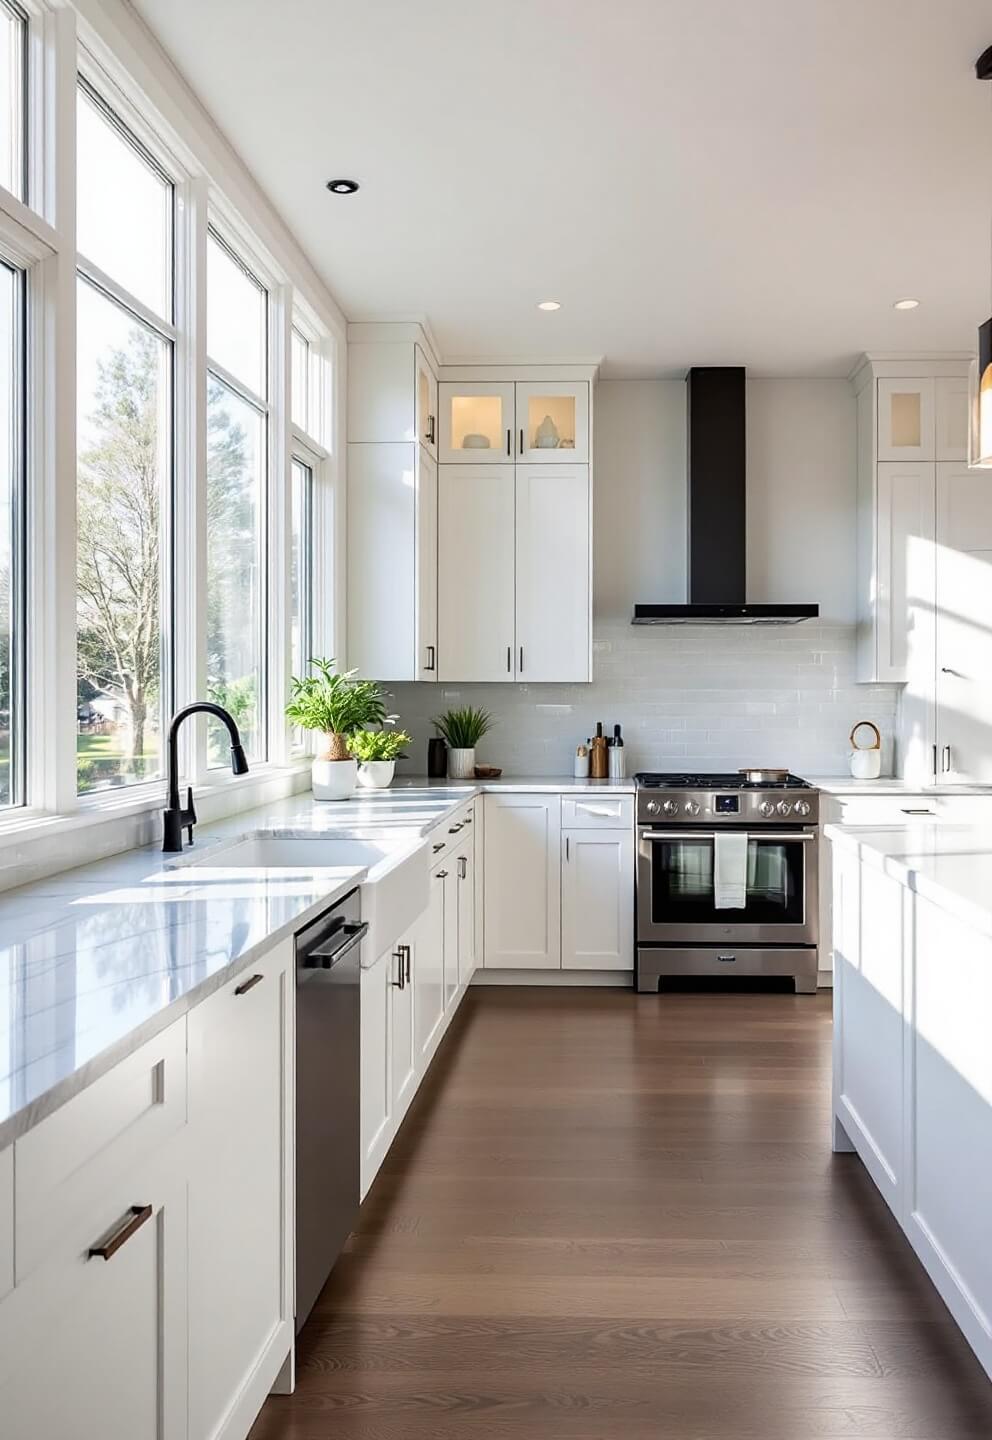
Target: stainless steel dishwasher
(328, 988)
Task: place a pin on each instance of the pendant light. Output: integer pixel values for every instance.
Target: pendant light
(980, 385)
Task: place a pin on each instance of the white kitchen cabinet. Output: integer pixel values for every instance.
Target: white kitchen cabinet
(428, 974)
(552, 422)
(6, 1220)
(93, 1347)
(477, 422)
(465, 887)
(553, 565)
(963, 669)
(376, 1044)
(392, 561)
(597, 899)
(522, 904)
(911, 414)
(426, 402)
(448, 876)
(871, 998)
(240, 1195)
(403, 1038)
(476, 627)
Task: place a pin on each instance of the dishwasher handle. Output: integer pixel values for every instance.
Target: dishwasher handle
(327, 955)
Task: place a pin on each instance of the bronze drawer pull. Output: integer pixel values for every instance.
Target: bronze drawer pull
(136, 1217)
(248, 984)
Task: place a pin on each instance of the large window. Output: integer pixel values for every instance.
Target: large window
(124, 454)
(11, 537)
(237, 318)
(13, 49)
(301, 565)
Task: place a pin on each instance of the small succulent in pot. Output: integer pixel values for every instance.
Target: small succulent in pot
(377, 752)
(338, 704)
(463, 729)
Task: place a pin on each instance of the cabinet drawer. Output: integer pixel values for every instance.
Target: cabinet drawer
(450, 834)
(599, 812)
(6, 1220)
(887, 810)
(68, 1163)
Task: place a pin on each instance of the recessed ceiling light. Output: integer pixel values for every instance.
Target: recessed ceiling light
(342, 187)
(549, 304)
(905, 304)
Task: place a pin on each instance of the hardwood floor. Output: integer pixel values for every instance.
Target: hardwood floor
(615, 1217)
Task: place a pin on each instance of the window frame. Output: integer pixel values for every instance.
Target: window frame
(18, 729)
(166, 330)
(22, 112)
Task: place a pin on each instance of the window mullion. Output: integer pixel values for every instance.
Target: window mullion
(191, 468)
(278, 606)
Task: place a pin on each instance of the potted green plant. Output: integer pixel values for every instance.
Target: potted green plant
(377, 752)
(463, 729)
(336, 704)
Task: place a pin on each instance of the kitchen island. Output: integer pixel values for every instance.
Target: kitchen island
(912, 1083)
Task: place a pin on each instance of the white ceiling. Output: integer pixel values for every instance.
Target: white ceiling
(697, 181)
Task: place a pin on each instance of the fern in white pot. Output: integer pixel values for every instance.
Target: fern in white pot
(336, 704)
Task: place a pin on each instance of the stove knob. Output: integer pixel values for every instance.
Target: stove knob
(652, 807)
(670, 807)
(801, 807)
(766, 808)
(692, 807)
(784, 808)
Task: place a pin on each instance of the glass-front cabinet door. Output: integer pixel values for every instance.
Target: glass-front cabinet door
(476, 422)
(906, 419)
(426, 403)
(553, 422)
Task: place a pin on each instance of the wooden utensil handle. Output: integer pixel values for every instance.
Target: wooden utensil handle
(871, 726)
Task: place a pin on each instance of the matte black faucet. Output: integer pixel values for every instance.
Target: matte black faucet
(177, 819)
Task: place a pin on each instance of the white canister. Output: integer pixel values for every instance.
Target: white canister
(866, 760)
(461, 764)
(581, 767)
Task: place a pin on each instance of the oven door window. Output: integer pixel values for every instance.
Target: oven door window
(682, 883)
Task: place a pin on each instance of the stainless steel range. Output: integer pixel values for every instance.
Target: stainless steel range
(727, 877)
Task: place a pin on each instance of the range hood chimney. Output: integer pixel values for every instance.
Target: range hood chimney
(717, 454)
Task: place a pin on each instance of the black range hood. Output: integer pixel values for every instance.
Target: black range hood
(717, 453)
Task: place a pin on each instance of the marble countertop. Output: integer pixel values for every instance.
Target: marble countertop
(96, 960)
(948, 864)
(889, 785)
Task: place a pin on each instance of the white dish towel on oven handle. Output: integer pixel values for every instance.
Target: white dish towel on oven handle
(730, 871)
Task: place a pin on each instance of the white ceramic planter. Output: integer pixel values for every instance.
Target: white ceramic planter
(376, 774)
(461, 764)
(334, 779)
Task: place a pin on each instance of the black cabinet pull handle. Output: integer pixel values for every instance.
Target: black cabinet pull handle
(521, 659)
(132, 1223)
(442, 874)
(430, 658)
(400, 982)
(509, 659)
(509, 442)
(521, 442)
(436, 848)
(406, 952)
(248, 984)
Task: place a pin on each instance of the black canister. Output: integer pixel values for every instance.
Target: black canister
(437, 758)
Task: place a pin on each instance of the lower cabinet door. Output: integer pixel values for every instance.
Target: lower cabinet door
(240, 1130)
(94, 1347)
(403, 1040)
(428, 972)
(597, 900)
(465, 885)
(450, 881)
(376, 1057)
(523, 881)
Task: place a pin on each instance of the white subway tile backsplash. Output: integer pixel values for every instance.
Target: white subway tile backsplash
(708, 697)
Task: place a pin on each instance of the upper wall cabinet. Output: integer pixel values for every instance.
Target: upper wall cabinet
(477, 421)
(392, 387)
(426, 402)
(912, 416)
(539, 422)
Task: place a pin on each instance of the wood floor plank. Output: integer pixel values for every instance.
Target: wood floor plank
(611, 1215)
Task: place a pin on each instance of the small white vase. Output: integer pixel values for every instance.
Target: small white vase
(376, 774)
(334, 779)
(461, 764)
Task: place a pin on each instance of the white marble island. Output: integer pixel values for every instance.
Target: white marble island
(913, 1043)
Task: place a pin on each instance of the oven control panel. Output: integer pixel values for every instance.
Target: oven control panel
(727, 804)
(782, 807)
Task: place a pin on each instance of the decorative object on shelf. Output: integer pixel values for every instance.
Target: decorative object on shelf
(336, 704)
(580, 768)
(437, 758)
(463, 729)
(546, 435)
(866, 760)
(488, 772)
(476, 442)
(377, 752)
